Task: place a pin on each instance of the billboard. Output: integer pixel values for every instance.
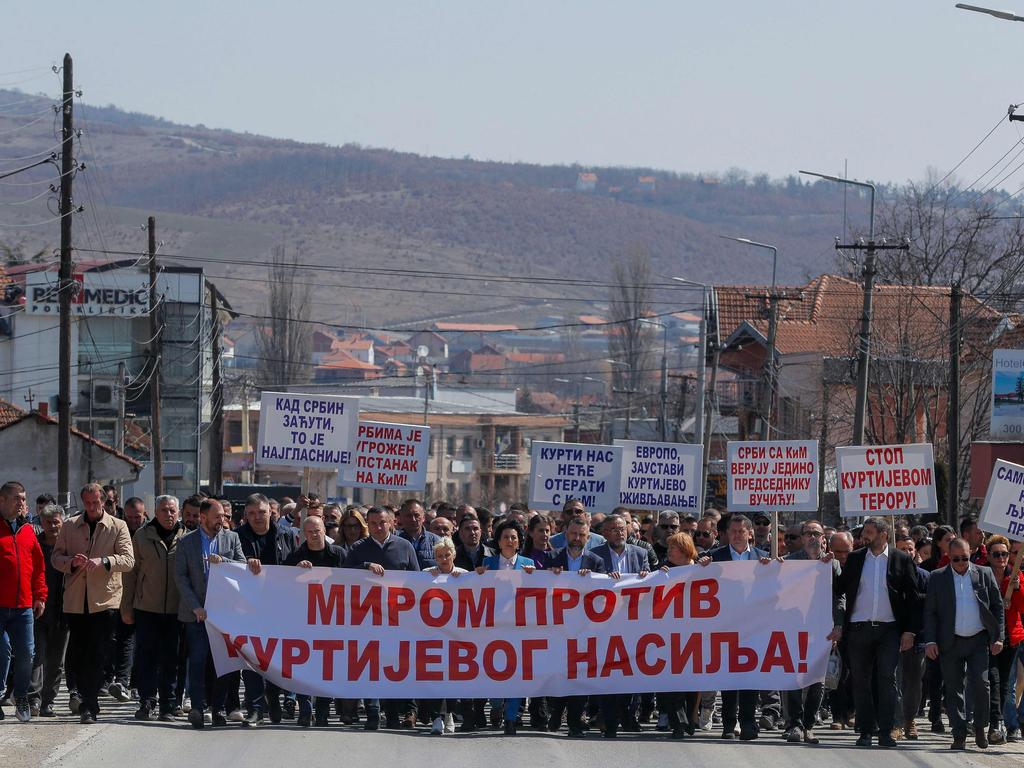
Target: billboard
(1007, 420)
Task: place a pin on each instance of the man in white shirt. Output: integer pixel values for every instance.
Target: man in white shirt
(963, 623)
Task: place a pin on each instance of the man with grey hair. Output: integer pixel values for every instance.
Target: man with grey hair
(668, 524)
(50, 631)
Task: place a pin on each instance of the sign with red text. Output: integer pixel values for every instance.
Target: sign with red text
(886, 479)
(388, 456)
(772, 475)
(561, 472)
(661, 476)
(298, 430)
(346, 633)
(1003, 511)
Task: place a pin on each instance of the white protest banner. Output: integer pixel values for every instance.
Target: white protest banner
(1003, 511)
(660, 475)
(299, 430)
(388, 456)
(338, 632)
(886, 479)
(561, 472)
(772, 475)
(1007, 419)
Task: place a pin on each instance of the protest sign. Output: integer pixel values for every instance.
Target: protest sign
(298, 430)
(886, 479)
(1003, 511)
(561, 472)
(346, 633)
(1007, 413)
(772, 475)
(388, 456)
(660, 476)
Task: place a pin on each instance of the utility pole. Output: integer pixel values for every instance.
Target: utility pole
(953, 409)
(768, 381)
(64, 286)
(712, 411)
(122, 394)
(216, 435)
(155, 333)
(246, 474)
(864, 339)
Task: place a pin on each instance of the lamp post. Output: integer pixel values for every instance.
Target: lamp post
(864, 347)
(1004, 15)
(628, 392)
(768, 392)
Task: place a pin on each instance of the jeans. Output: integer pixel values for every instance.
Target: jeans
(51, 639)
(92, 636)
(802, 706)
(156, 660)
(122, 656)
(17, 624)
(912, 676)
(203, 689)
(1013, 713)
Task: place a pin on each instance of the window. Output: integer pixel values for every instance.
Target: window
(451, 491)
(467, 447)
(467, 492)
(234, 433)
(449, 446)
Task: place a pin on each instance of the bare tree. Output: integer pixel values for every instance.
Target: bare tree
(629, 338)
(286, 339)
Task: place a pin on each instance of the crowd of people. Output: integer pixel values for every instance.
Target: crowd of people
(110, 601)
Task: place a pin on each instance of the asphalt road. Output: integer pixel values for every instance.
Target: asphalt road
(118, 740)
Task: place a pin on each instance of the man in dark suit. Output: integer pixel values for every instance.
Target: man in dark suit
(741, 704)
(963, 623)
(883, 615)
(384, 551)
(575, 558)
(470, 550)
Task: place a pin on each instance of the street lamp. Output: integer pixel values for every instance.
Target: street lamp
(864, 351)
(1004, 15)
(768, 396)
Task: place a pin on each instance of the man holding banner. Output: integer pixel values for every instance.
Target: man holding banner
(883, 615)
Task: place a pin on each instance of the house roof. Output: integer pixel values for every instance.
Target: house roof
(823, 316)
(12, 414)
(358, 342)
(593, 320)
(341, 359)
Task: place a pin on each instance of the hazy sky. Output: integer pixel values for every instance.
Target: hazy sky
(894, 86)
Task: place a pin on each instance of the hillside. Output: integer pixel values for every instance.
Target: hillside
(228, 196)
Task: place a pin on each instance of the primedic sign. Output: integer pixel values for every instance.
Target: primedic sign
(94, 294)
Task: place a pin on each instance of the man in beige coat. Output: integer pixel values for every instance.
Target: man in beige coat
(93, 550)
(150, 602)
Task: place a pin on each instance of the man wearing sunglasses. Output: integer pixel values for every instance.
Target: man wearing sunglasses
(963, 623)
(668, 524)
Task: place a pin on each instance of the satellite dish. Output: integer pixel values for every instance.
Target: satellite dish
(422, 350)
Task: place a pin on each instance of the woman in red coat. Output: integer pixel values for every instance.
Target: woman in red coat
(999, 666)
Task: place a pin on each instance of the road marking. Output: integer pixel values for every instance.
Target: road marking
(63, 750)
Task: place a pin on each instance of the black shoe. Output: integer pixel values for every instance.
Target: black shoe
(510, 728)
(46, 710)
(274, 712)
(938, 727)
(304, 721)
(678, 733)
(467, 726)
(85, 717)
(748, 734)
(981, 740)
(289, 709)
(321, 721)
(145, 712)
(729, 733)
(195, 717)
(74, 702)
(959, 743)
(252, 719)
(611, 733)
(219, 719)
(864, 740)
(166, 716)
(372, 721)
(886, 741)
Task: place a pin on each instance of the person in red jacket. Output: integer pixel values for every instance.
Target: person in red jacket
(998, 552)
(22, 592)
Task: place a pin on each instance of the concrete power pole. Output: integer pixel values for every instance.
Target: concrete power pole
(156, 334)
(953, 410)
(64, 287)
(216, 436)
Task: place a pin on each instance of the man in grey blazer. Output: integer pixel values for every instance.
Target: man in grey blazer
(211, 542)
(618, 555)
(963, 623)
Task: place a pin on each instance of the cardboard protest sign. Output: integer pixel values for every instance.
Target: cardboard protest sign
(388, 456)
(1003, 511)
(341, 632)
(772, 475)
(299, 430)
(661, 475)
(561, 472)
(886, 479)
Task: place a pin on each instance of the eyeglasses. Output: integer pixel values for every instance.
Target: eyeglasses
(959, 559)
(999, 555)
(666, 527)
(702, 534)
